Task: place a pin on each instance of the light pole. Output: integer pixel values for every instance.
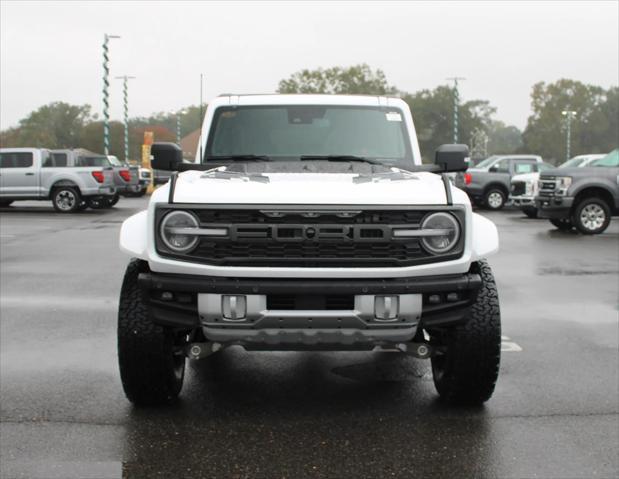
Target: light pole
(125, 79)
(106, 93)
(178, 125)
(568, 114)
(456, 101)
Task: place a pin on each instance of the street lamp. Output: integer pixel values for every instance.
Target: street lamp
(106, 94)
(568, 114)
(125, 79)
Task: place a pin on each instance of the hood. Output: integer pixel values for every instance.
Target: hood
(576, 171)
(526, 177)
(387, 187)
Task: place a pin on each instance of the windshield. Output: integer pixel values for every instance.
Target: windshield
(92, 161)
(612, 159)
(291, 132)
(573, 163)
(486, 162)
(114, 161)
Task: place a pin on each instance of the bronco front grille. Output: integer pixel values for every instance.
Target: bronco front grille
(273, 236)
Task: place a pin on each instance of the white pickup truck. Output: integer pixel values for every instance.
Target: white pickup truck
(308, 222)
(37, 174)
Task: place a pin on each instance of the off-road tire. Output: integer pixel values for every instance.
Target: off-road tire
(563, 224)
(113, 200)
(66, 199)
(591, 226)
(151, 370)
(99, 203)
(530, 211)
(467, 370)
(489, 201)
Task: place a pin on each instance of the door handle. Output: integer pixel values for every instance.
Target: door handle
(29, 174)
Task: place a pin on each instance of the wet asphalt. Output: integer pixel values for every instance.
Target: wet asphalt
(555, 411)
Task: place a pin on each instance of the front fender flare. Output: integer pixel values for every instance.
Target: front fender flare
(485, 237)
(133, 235)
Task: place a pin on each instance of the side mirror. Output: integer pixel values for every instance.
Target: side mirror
(451, 158)
(166, 156)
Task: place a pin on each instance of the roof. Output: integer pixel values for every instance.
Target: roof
(306, 99)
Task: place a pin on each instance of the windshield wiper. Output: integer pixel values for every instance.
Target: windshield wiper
(340, 158)
(238, 158)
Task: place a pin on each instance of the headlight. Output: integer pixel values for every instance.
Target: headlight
(173, 234)
(563, 183)
(528, 188)
(441, 232)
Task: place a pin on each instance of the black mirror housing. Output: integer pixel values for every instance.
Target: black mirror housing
(452, 158)
(166, 156)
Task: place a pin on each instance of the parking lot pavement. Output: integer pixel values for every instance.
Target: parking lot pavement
(555, 411)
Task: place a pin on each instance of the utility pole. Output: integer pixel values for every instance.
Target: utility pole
(106, 94)
(456, 102)
(568, 114)
(125, 80)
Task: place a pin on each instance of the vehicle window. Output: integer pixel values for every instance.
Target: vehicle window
(523, 167)
(501, 166)
(114, 161)
(289, 132)
(16, 160)
(543, 166)
(487, 162)
(55, 159)
(92, 161)
(612, 159)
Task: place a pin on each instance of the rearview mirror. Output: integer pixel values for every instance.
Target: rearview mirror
(166, 156)
(451, 158)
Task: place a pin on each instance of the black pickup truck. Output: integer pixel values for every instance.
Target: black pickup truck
(584, 198)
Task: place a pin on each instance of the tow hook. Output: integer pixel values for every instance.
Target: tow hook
(201, 350)
(420, 350)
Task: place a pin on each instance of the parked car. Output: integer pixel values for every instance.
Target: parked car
(146, 179)
(488, 184)
(308, 237)
(524, 187)
(126, 178)
(38, 174)
(582, 197)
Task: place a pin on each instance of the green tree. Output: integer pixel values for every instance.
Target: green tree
(503, 138)
(56, 125)
(594, 129)
(353, 80)
(433, 114)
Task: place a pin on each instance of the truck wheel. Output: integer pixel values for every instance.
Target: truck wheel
(564, 224)
(466, 368)
(494, 199)
(66, 199)
(113, 200)
(152, 366)
(99, 203)
(530, 211)
(591, 216)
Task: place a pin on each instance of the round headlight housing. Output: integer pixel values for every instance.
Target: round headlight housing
(442, 232)
(171, 229)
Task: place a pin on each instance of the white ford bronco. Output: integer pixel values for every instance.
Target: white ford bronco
(307, 222)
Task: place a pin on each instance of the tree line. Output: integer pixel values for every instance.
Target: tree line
(594, 130)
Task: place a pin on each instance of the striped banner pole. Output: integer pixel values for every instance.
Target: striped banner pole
(125, 79)
(106, 93)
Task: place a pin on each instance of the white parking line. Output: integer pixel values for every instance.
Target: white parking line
(508, 346)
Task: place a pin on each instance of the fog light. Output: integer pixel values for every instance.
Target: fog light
(167, 296)
(434, 299)
(386, 307)
(233, 308)
(451, 297)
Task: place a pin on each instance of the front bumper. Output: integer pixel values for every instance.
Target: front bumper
(385, 312)
(522, 200)
(554, 207)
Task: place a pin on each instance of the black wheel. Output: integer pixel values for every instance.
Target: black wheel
(4, 204)
(466, 368)
(83, 205)
(113, 200)
(494, 199)
(66, 199)
(591, 216)
(564, 224)
(530, 211)
(152, 366)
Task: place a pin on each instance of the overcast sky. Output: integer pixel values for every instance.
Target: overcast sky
(51, 51)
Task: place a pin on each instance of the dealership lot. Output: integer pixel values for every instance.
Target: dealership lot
(63, 413)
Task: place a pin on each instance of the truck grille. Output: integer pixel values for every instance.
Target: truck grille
(271, 237)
